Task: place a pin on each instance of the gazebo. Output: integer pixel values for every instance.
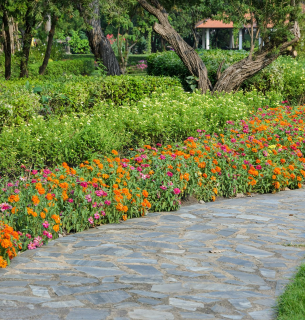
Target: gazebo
(208, 24)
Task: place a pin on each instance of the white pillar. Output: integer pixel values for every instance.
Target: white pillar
(207, 38)
(203, 39)
(240, 42)
(231, 46)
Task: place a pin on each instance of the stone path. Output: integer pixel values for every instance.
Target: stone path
(223, 260)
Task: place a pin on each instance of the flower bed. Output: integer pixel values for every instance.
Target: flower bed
(262, 154)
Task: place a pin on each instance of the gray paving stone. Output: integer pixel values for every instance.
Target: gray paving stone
(77, 279)
(40, 291)
(241, 304)
(187, 305)
(143, 314)
(85, 314)
(62, 304)
(247, 277)
(236, 261)
(105, 297)
(150, 301)
(268, 273)
(144, 270)
(149, 294)
(193, 315)
(101, 272)
(87, 244)
(90, 263)
(267, 314)
(251, 251)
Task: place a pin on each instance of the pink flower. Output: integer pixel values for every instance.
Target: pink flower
(88, 198)
(34, 172)
(90, 220)
(170, 174)
(103, 213)
(31, 246)
(162, 157)
(163, 187)
(70, 200)
(94, 205)
(96, 216)
(177, 191)
(28, 236)
(46, 224)
(108, 202)
(10, 184)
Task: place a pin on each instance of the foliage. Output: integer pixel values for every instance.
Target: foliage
(264, 153)
(291, 304)
(166, 117)
(78, 44)
(75, 94)
(54, 69)
(284, 76)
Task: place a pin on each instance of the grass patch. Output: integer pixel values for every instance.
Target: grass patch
(291, 304)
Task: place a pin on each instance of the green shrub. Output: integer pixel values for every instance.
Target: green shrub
(54, 69)
(78, 94)
(284, 76)
(164, 117)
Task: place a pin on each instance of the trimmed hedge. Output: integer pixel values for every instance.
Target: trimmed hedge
(23, 99)
(54, 69)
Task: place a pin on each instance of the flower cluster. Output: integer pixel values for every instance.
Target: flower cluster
(9, 244)
(142, 65)
(264, 153)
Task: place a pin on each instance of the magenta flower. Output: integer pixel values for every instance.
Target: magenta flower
(46, 224)
(170, 174)
(103, 213)
(10, 184)
(258, 167)
(96, 216)
(163, 187)
(177, 191)
(70, 200)
(108, 202)
(162, 157)
(90, 220)
(34, 172)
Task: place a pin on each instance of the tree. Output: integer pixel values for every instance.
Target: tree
(281, 15)
(6, 39)
(99, 44)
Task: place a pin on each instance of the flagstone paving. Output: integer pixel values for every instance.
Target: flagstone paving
(224, 260)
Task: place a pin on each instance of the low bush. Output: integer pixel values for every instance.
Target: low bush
(164, 117)
(284, 76)
(23, 98)
(54, 69)
(262, 154)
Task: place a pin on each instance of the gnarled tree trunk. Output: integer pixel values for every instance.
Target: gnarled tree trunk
(232, 77)
(186, 53)
(236, 74)
(100, 46)
(47, 55)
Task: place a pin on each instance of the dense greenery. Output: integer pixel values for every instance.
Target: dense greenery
(55, 69)
(25, 99)
(291, 305)
(165, 117)
(284, 76)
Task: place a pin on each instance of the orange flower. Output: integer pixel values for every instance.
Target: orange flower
(42, 215)
(49, 196)
(114, 152)
(124, 217)
(56, 228)
(145, 193)
(35, 200)
(277, 171)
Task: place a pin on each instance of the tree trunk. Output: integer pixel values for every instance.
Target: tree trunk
(236, 74)
(196, 39)
(99, 44)
(186, 53)
(47, 55)
(27, 40)
(7, 46)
